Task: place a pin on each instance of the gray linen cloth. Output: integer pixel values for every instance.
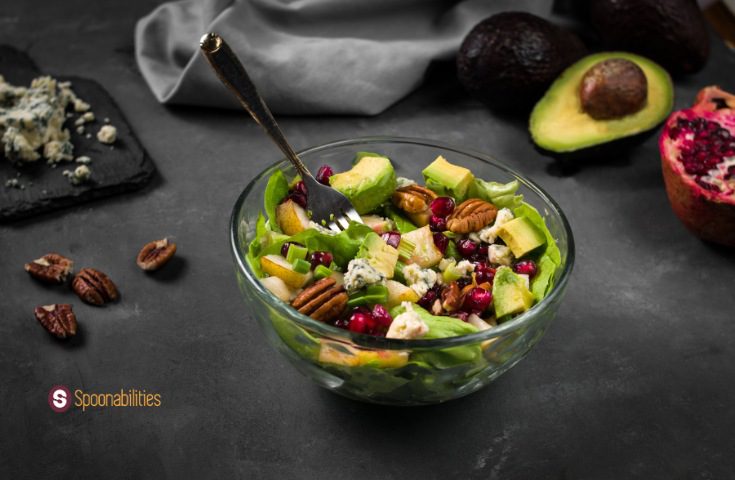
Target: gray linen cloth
(308, 56)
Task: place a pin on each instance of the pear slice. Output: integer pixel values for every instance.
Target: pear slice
(398, 292)
(291, 217)
(279, 288)
(278, 266)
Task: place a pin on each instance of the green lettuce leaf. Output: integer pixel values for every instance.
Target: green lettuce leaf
(275, 191)
(403, 224)
(502, 195)
(343, 246)
(442, 327)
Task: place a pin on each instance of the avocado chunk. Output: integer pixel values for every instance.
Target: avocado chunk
(521, 236)
(509, 59)
(368, 184)
(381, 256)
(559, 122)
(510, 294)
(446, 179)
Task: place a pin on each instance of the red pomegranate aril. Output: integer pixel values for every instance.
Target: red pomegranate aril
(484, 273)
(323, 174)
(441, 242)
(392, 238)
(360, 322)
(525, 267)
(298, 197)
(442, 206)
(286, 245)
(342, 322)
(437, 224)
(477, 300)
(321, 258)
(300, 187)
(428, 299)
(381, 315)
(466, 247)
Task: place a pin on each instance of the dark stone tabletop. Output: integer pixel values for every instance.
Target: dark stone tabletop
(634, 379)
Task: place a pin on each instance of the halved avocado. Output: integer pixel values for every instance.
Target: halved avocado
(559, 124)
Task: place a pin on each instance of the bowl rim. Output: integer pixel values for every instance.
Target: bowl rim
(370, 341)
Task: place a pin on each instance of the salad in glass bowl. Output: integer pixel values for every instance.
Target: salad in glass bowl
(422, 302)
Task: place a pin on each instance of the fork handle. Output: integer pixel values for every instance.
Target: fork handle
(232, 73)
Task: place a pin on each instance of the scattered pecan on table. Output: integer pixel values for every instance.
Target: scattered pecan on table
(58, 319)
(155, 254)
(51, 268)
(94, 287)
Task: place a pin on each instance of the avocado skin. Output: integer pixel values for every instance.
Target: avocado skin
(508, 60)
(670, 32)
(604, 152)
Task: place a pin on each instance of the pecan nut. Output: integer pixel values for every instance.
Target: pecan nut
(323, 301)
(58, 319)
(94, 287)
(51, 268)
(413, 198)
(452, 297)
(471, 215)
(155, 254)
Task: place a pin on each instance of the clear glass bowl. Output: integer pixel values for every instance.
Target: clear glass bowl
(374, 369)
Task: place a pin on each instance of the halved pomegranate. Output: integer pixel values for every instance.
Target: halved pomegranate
(698, 160)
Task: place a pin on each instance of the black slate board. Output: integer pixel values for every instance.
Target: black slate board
(118, 168)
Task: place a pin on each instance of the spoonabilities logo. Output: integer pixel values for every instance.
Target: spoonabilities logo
(59, 398)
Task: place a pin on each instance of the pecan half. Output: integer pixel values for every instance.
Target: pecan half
(155, 254)
(471, 215)
(413, 198)
(94, 287)
(323, 301)
(58, 319)
(51, 268)
(452, 297)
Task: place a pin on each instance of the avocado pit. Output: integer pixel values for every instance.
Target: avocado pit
(613, 88)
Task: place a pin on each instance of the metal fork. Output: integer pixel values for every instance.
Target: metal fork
(327, 205)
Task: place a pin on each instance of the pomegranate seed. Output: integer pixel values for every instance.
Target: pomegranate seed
(342, 323)
(360, 322)
(441, 241)
(442, 206)
(392, 238)
(484, 273)
(437, 224)
(463, 282)
(321, 258)
(323, 174)
(477, 300)
(300, 187)
(525, 267)
(284, 247)
(381, 315)
(466, 247)
(298, 197)
(428, 299)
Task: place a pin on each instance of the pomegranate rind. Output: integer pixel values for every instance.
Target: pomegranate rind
(709, 215)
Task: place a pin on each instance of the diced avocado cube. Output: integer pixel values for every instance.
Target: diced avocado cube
(447, 179)
(510, 293)
(521, 236)
(368, 184)
(381, 256)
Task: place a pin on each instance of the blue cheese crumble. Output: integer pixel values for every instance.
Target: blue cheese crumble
(360, 274)
(107, 134)
(408, 325)
(79, 175)
(32, 119)
(489, 234)
(499, 255)
(420, 280)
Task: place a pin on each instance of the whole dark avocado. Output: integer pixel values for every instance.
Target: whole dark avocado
(670, 32)
(508, 60)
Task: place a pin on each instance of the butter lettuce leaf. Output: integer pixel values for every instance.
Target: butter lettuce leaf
(502, 195)
(403, 224)
(275, 190)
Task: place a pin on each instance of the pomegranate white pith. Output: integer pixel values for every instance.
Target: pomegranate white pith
(697, 149)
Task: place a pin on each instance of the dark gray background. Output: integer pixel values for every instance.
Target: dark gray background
(633, 380)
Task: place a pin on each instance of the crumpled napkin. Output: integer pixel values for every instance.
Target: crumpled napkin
(308, 56)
